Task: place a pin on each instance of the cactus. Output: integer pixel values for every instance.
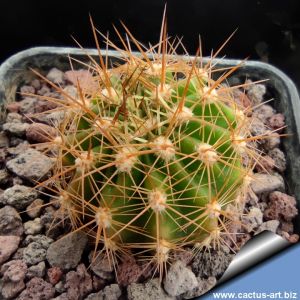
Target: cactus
(149, 161)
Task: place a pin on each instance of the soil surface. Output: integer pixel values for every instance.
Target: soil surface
(36, 263)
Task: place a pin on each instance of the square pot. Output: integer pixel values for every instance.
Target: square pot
(16, 71)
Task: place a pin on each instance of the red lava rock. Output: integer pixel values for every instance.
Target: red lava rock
(281, 206)
(265, 164)
(37, 288)
(33, 210)
(256, 92)
(45, 105)
(27, 106)
(10, 221)
(14, 270)
(294, 238)
(241, 98)
(85, 79)
(54, 275)
(212, 263)
(257, 127)
(264, 112)
(40, 133)
(8, 245)
(13, 107)
(128, 272)
(56, 76)
(244, 100)
(81, 75)
(79, 283)
(277, 121)
(279, 159)
(13, 278)
(272, 141)
(27, 89)
(185, 256)
(36, 84)
(43, 90)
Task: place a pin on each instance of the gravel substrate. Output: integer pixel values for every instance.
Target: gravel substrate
(39, 261)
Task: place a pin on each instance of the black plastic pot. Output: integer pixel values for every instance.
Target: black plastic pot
(16, 70)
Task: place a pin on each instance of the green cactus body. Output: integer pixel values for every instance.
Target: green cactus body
(151, 161)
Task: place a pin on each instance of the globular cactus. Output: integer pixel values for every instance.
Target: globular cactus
(149, 161)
